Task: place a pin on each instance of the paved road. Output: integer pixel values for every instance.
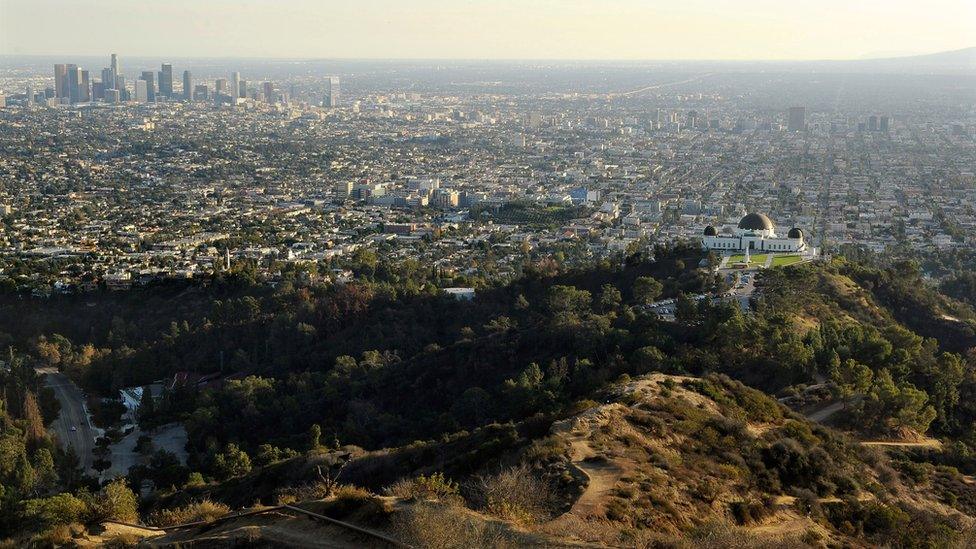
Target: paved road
(73, 414)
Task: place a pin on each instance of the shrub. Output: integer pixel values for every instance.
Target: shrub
(514, 494)
(56, 510)
(433, 487)
(201, 511)
(117, 502)
(438, 526)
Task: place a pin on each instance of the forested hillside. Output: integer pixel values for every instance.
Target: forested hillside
(423, 397)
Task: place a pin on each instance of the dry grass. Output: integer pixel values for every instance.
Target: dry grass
(444, 526)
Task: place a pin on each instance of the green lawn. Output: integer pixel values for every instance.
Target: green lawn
(784, 260)
(754, 259)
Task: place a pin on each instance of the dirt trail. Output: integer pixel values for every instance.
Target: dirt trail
(602, 477)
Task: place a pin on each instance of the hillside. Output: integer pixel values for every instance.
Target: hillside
(674, 460)
(556, 408)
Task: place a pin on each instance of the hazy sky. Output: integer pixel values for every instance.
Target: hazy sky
(507, 29)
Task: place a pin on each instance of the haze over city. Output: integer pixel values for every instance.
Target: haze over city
(488, 29)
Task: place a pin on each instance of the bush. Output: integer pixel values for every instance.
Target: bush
(514, 494)
(205, 511)
(117, 502)
(56, 510)
(433, 487)
(439, 526)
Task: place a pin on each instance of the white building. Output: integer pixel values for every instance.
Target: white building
(755, 232)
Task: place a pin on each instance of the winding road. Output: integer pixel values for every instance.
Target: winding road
(73, 414)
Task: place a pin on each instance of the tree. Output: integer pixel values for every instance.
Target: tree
(53, 511)
(232, 462)
(609, 298)
(647, 290)
(117, 502)
(314, 436)
(35, 422)
(146, 406)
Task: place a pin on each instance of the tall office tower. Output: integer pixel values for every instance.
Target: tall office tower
(147, 76)
(142, 91)
(331, 92)
(242, 89)
(269, 92)
(108, 79)
(235, 85)
(797, 120)
(187, 85)
(85, 91)
(29, 102)
(124, 94)
(98, 91)
(201, 92)
(73, 82)
(166, 80)
(872, 123)
(220, 88)
(883, 124)
(113, 96)
(60, 80)
(116, 73)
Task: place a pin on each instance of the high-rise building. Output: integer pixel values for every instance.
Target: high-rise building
(60, 80)
(235, 85)
(98, 91)
(872, 123)
(108, 79)
(73, 83)
(220, 88)
(331, 92)
(142, 90)
(242, 89)
(124, 94)
(29, 97)
(84, 93)
(187, 85)
(883, 124)
(201, 92)
(166, 80)
(113, 96)
(797, 119)
(147, 77)
(116, 73)
(269, 92)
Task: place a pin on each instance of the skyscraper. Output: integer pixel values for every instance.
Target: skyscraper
(187, 86)
(142, 90)
(166, 80)
(147, 76)
(242, 89)
(331, 92)
(269, 92)
(84, 90)
(60, 81)
(235, 86)
(220, 88)
(797, 119)
(873, 123)
(108, 79)
(74, 83)
(883, 124)
(115, 68)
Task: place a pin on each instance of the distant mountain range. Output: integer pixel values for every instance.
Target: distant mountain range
(955, 61)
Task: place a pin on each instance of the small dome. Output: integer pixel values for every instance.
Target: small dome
(710, 231)
(756, 222)
(795, 233)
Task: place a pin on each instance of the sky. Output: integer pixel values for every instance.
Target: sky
(488, 29)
